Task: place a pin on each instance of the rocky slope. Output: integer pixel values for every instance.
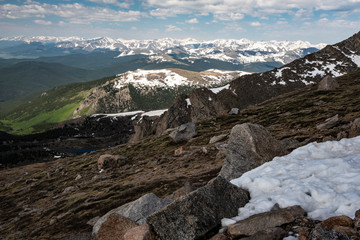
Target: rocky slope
(56, 199)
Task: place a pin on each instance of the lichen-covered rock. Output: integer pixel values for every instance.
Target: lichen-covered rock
(196, 214)
(249, 146)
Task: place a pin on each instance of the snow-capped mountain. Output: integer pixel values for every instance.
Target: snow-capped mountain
(150, 89)
(240, 51)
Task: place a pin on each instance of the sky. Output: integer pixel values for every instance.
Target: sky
(316, 21)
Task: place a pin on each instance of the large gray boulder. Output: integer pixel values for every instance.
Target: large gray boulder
(184, 132)
(250, 145)
(196, 214)
(136, 211)
(328, 84)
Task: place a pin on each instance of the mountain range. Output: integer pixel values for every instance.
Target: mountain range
(31, 65)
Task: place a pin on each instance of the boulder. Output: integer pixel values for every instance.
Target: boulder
(328, 84)
(331, 222)
(355, 128)
(329, 123)
(357, 220)
(320, 233)
(195, 215)
(249, 146)
(184, 132)
(142, 232)
(261, 221)
(114, 228)
(137, 210)
(108, 161)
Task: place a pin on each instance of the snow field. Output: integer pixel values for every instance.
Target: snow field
(323, 178)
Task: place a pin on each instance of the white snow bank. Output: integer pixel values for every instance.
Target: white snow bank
(154, 113)
(323, 178)
(219, 89)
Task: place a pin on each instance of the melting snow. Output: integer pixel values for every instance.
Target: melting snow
(323, 178)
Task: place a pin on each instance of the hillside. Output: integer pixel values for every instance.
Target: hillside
(58, 198)
(157, 90)
(24, 78)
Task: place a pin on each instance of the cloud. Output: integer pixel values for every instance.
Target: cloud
(42, 22)
(255, 24)
(193, 20)
(229, 10)
(122, 4)
(172, 28)
(74, 13)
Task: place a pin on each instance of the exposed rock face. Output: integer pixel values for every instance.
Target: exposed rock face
(107, 161)
(204, 104)
(329, 123)
(328, 84)
(250, 145)
(196, 214)
(136, 211)
(114, 228)
(267, 220)
(184, 132)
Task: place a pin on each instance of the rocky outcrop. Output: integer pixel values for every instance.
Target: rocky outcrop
(184, 132)
(198, 213)
(136, 211)
(328, 84)
(249, 146)
(264, 221)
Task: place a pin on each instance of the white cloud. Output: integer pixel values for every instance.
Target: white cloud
(74, 13)
(42, 22)
(235, 9)
(172, 28)
(255, 24)
(193, 20)
(122, 4)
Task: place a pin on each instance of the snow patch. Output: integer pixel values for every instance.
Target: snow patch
(219, 89)
(323, 178)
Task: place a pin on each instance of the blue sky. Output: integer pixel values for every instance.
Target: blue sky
(327, 21)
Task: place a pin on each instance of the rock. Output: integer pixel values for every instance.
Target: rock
(114, 228)
(330, 223)
(328, 84)
(357, 220)
(268, 234)
(142, 232)
(329, 123)
(355, 128)
(348, 231)
(78, 177)
(320, 233)
(258, 222)
(69, 190)
(250, 145)
(108, 161)
(136, 211)
(234, 111)
(196, 214)
(179, 151)
(184, 132)
(341, 135)
(218, 138)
